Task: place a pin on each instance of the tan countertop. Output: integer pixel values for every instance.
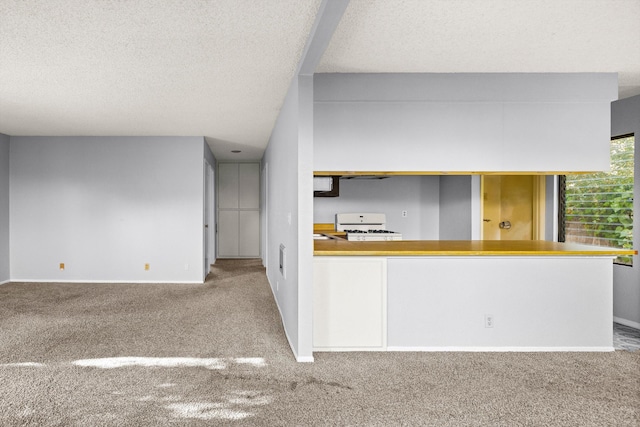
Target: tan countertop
(341, 247)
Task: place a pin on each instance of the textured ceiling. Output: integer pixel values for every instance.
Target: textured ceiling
(213, 68)
(221, 68)
(451, 36)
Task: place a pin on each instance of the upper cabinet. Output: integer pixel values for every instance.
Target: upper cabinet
(239, 185)
(462, 122)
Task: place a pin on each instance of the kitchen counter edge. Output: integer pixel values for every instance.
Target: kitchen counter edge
(461, 248)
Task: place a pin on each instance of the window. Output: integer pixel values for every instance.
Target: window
(598, 207)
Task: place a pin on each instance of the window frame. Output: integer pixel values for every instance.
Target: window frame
(562, 186)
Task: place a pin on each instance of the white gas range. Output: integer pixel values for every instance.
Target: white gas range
(365, 227)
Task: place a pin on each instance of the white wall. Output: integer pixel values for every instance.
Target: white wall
(418, 195)
(4, 208)
(455, 208)
(287, 209)
(625, 119)
(537, 303)
(462, 122)
(105, 206)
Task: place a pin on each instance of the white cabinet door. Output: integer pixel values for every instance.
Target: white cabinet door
(349, 303)
(249, 186)
(228, 182)
(239, 210)
(249, 234)
(228, 243)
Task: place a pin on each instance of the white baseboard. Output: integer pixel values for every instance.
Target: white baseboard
(300, 359)
(163, 282)
(348, 349)
(626, 322)
(5, 282)
(503, 349)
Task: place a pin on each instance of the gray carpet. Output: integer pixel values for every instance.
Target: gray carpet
(215, 354)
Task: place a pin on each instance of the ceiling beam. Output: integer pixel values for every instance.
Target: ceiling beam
(327, 20)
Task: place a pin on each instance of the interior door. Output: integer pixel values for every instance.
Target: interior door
(208, 218)
(512, 207)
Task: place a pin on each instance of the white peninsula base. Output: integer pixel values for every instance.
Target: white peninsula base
(463, 303)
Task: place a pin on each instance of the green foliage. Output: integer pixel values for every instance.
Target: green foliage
(599, 206)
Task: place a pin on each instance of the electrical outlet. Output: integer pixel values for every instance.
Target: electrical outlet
(146, 267)
(488, 320)
(186, 266)
(404, 214)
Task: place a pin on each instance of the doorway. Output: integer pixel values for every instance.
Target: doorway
(209, 221)
(513, 207)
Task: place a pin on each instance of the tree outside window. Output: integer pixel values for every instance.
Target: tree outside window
(599, 206)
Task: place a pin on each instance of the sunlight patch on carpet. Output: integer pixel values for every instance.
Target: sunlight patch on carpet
(206, 411)
(258, 362)
(167, 362)
(248, 398)
(166, 385)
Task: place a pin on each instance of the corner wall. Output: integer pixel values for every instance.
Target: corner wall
(106, 206)
(280, 202)
(4, 208)
(625, 119)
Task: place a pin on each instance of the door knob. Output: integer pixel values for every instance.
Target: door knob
(505, 225)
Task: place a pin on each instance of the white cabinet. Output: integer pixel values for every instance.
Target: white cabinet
(349, 303)
(238, 210)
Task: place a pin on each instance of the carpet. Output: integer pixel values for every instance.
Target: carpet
(216, 354)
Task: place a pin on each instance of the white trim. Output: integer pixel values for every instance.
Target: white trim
(503, 349)
(5, 282)
(514, 256)
(347, 349)
(301, 359)
(626, 322)
(164, 282)
(476, 208)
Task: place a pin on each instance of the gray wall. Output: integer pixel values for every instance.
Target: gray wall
(462, 122)
(105, 206)
(4, 208)
(625, 119)
(418, 195)
(455, 208)
(287, 209)
(208, 155)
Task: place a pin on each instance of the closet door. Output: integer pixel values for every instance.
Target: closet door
(249, 237)
(249, 186)
(239, 210)
(228, 226)
(228, 185)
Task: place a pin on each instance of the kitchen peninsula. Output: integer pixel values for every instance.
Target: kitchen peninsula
(462, 296)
